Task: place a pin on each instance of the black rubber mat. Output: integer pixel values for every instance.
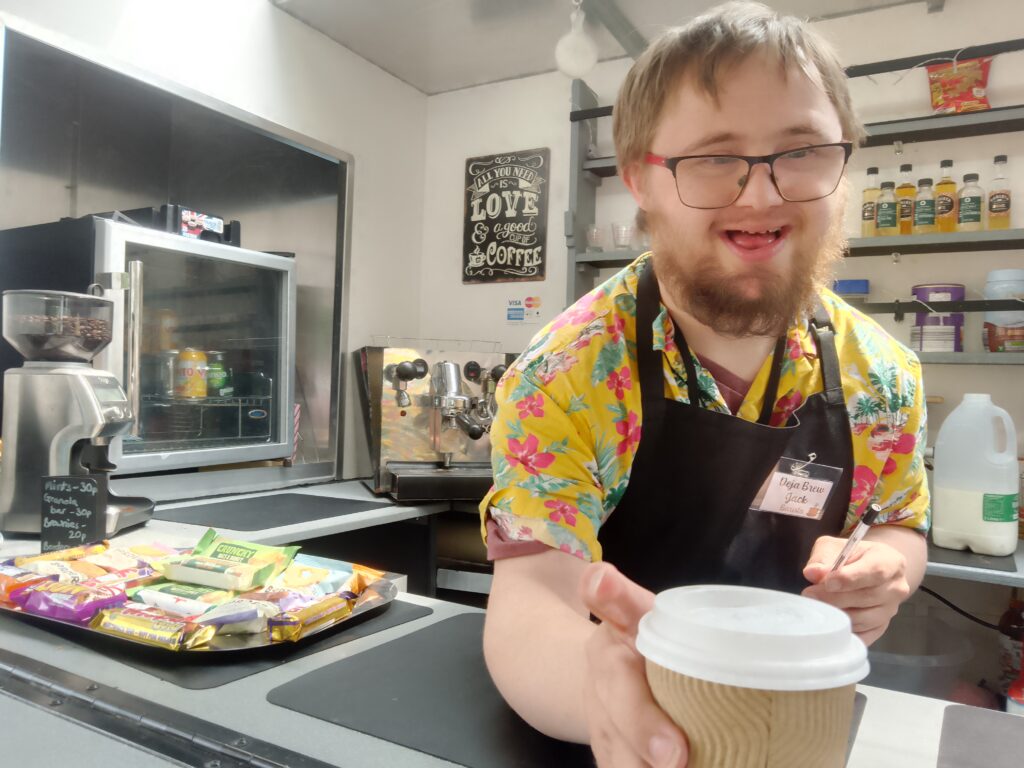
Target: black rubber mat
(969, 559)
(197, 670)
(980, 738)
(448, 707)
(258, 513)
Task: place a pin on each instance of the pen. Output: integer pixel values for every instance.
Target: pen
(857, 535)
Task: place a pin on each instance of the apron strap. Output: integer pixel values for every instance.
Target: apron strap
(771, 391)
(825, 339)
(650, 365)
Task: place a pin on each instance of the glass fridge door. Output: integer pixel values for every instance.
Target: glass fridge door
(216, 357)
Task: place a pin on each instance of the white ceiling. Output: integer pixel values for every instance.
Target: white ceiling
(443, 45)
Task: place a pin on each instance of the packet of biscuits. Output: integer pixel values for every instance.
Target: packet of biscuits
(959, 86)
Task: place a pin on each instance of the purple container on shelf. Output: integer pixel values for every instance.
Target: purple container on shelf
(939, 292)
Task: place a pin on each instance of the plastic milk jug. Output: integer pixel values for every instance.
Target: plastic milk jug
(976, 484)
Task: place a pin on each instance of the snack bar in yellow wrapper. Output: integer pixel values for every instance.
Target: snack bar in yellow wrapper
(294, 625)
(152, 627)
(63, 554)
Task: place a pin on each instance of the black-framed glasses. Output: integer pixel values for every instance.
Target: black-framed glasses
(717, 181)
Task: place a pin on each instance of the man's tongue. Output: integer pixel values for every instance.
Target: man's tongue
(752, 240)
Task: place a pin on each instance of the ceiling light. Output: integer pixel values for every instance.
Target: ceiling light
(576, 51)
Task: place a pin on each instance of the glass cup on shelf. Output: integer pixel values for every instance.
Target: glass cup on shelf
(595, 238)
(622, 234)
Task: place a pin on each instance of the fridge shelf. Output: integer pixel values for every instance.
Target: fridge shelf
(233, 402)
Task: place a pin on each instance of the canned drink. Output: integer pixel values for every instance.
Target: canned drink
(216, 374)
(190, 373)
(167, 372)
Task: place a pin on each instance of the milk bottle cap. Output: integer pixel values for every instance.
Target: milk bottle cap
(752, 638)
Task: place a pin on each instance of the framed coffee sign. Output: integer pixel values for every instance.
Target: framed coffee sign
(505, 232)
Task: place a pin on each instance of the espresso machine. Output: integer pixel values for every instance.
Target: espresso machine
(428, 417)
(59, 413)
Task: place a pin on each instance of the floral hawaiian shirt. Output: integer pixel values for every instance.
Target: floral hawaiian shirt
(569, 417)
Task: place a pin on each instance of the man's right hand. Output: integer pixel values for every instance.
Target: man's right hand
(627, 727)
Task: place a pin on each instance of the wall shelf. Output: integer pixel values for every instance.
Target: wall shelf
(940, 242)
(971, 358)
(900, 308)
(620, 257)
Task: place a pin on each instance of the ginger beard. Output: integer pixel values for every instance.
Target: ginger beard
(756, 299)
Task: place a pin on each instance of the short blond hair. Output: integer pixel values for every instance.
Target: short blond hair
(703, 49)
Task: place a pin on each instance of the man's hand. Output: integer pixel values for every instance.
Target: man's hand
(627, 728)
(869, 586)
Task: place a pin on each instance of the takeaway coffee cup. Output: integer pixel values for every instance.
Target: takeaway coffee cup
(755, 678)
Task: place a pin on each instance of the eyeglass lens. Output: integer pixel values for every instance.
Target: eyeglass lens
(801, 175)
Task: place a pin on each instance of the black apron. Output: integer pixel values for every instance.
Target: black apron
(685, 517)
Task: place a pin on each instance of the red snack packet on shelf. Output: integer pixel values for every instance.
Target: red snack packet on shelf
(959, 86)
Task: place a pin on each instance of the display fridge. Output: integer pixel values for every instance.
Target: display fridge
(204, 335)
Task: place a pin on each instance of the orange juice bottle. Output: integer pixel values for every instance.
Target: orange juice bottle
(945, 198)
(999, 196)
(906, 193)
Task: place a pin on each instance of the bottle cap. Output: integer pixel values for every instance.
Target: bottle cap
(872, 169)
(946, 164)
(998, 159)
(924, 182)
(906, 167)
(888, 185)
(969, 177)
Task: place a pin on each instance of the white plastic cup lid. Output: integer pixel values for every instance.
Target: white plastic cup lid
(752, 638)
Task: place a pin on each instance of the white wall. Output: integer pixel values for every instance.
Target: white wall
(253, 56)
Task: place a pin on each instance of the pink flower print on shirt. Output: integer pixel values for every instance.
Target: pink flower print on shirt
(561, 510)
(548, 370)
(616, 329)
(630, 431)
(574, 552)
(578, 314)
(525, 453)
(864, 481)
(794, 350)
(532, 405)
(903, 445)
(784, 408)
(619, 381)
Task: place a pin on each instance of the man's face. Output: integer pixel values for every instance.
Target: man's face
(750, 268)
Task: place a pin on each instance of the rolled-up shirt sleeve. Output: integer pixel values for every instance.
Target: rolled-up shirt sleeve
(546, 492)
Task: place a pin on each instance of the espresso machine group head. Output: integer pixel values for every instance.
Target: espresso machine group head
(59, 413)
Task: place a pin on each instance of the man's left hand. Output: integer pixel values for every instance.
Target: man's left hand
(869, 586)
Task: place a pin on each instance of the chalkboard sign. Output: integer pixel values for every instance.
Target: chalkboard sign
(506, 219)
(74, 511)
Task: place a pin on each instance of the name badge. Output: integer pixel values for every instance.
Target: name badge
(797, 488)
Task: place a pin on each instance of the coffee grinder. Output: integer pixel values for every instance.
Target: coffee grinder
(60, 413)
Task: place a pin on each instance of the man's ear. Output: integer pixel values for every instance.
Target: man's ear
(634, 178)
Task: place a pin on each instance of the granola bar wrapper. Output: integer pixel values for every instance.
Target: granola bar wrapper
(228, 564)
(67, 571)
(313, 576)
(127, 579)
(959, 86)
(14, 579)
(292, 626)
(124, 557)
(241, 616)
(152, 626)
(68, 602)
(73, 553)
(362, 577)
(182, 599)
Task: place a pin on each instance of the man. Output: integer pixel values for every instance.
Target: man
(667, 422)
